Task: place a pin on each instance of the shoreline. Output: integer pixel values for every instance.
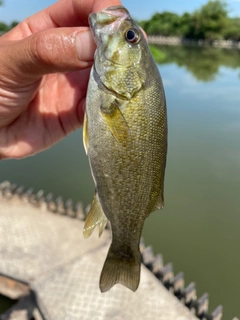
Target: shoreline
(177, 41)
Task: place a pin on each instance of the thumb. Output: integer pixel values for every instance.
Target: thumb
(48, 51)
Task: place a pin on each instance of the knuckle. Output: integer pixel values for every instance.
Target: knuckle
(52, 47)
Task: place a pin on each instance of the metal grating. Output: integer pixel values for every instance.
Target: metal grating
(26, 307)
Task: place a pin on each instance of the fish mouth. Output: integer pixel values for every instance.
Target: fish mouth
(108, 20)
(92, 20)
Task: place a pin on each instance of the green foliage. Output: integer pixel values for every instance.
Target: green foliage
(203, 62)
(186, 22)
(5, 28)
(165, 23)
(232, 30)
(158, 55)
(210, 22)
(13, 24)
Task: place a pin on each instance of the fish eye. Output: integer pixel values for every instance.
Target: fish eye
(132, 35)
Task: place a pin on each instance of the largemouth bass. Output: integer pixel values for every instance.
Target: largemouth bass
(125, 138)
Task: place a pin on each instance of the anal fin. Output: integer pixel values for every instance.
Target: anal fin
(95, 217)
(85, 133)
(160, 202)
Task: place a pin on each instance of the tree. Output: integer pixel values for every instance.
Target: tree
(13, 24)
(3, 27)
(210, 21)
(232, 30)
(185, 25)
(165, 24)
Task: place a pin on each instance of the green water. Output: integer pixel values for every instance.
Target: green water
(5, 303)
(198, 230)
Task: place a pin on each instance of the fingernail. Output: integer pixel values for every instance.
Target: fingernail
(85, 45)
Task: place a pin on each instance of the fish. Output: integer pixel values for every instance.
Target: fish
(125, 138)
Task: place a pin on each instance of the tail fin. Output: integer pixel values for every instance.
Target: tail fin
(120, 269)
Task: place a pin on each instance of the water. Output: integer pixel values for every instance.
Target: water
(5, 303)
(198, 230)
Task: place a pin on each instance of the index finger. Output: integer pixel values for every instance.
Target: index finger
(67, 13)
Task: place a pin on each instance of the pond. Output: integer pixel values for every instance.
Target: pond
(198, 230)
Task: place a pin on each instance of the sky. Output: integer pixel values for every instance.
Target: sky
(140, 9)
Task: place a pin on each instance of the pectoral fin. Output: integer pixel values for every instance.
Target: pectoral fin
(85, 133)
(116, 122)
(95, 217)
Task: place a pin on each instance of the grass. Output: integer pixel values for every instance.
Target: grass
(158, 55)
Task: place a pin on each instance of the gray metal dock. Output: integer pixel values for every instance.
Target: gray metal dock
(54, 272)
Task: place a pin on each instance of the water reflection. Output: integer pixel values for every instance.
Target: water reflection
(202, 62)
(198, 230)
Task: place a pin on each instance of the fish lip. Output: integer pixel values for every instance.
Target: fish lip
(92, 20)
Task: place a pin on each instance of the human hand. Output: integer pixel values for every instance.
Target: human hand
(44, 69)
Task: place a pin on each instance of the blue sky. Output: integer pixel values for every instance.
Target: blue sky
(140, 9)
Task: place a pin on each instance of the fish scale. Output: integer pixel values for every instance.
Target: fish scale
(125, 137)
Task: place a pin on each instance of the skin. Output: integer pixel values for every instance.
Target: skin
(44, 70)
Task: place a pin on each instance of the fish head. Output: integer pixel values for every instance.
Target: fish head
(118, 37)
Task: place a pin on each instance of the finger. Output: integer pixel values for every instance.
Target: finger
(84, 8)
(48, 51)
(73, 13)
(64, 13)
